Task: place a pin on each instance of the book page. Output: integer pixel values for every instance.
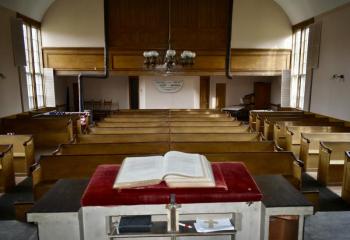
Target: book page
(183, 164)
(138, 171)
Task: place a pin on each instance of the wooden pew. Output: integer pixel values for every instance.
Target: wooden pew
(54, 167)
(215, 137)
(121, 130)
(331, 162)
(216, 129)
(280, 128)
(46, 132)
(7, 175)
(23, 152)
(310, 146)
(345, 192)
(254, 113)
(135, 120)
(131, 125)
(293, 134)
(269, 122)
(122, 138)
(113, 148)
(260, 118)
(205, 124)
(265, 163)
(222, 147)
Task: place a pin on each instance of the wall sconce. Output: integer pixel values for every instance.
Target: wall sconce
(339, 77)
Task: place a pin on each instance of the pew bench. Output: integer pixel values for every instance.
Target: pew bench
(253, 114)
(23, 152)
(293, 134)
(7, 175)
(331, 162)
(122, 138)
(222, 147)
(265, 163)
(104, 124)
(213, 129)
(293, 129)
(46, 132)
(269, 123)
(345, 191)
(145, 148)
(121, 130)
(215, 137)
(310, 146)
(256, 118)
(54, 167)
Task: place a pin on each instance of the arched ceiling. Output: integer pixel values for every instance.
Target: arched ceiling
(301, 10)
(297, 10)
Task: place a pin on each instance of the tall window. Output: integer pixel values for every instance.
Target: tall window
(299, 65)
(34, 69)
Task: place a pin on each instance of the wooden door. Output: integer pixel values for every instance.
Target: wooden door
(134, 92)
(220, 95)
(204, 92)
(262, 95)
(75, 97)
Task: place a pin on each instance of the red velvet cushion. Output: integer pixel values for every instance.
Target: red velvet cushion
(240, 188)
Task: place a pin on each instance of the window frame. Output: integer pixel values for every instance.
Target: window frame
(302, 52)
(31, 24)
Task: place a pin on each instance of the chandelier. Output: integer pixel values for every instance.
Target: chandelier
(153, 60)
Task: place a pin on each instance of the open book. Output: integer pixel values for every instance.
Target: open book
(177, 169)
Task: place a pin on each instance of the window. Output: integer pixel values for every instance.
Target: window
(299, 65)
(33, 69)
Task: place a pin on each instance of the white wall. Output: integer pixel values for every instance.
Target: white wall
(10, 97)
(79, 23)
(152, 98)
(240, 86)
(260, 24)
(114, 88)
(331, 97)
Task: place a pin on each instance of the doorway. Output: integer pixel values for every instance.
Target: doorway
(134, 92)
(220, 95)
(204, 92)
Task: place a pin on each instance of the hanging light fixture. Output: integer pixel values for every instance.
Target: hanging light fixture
(154, 61)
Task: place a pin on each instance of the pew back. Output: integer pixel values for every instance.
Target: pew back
(23, 152)
(113, 148)
(222, 147)
(7, 176)
(331, 162)
(213, 137)
(122, 138)
(345, 192)
(309, 148)
(46, 132)
(135, 130)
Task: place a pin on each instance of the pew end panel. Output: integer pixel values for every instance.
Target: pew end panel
(332, 161)
(7, 175)
(345, 193)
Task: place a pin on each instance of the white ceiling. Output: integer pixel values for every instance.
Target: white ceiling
(297, 10)
(300, 10)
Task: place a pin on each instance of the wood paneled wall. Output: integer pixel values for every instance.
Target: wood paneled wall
(244, 61)
(144, 24)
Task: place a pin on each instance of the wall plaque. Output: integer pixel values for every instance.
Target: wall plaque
(169, 86)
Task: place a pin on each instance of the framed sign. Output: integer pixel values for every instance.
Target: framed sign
(169, 86)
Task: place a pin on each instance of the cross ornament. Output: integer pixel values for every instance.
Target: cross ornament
(211, 223)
